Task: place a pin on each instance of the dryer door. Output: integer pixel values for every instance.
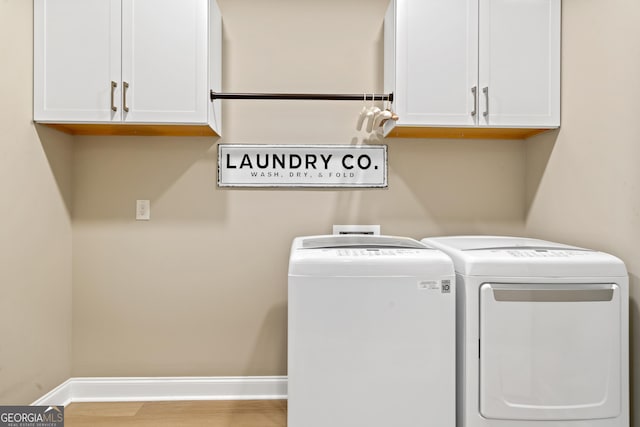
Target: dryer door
(550, 351)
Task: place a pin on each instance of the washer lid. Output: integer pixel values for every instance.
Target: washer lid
(360, 241)
(366, 256)
(524, 257)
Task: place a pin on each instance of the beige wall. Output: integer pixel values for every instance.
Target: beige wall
(584, 188)
(35, 227)
(201, 288)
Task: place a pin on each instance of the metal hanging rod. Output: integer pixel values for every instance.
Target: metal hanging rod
(306, 96)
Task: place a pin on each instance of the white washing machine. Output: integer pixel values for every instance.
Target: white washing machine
(371, 338)
(542, 333)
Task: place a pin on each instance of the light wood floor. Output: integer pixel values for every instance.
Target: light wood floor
(237, 413)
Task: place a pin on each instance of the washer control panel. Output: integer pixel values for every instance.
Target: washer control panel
(373, 252)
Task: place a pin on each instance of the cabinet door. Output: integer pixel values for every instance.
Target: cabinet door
(76, 57)
(436, 67)
(164, 61)
(520, 63)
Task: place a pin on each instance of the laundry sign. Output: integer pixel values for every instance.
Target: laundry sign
(351, 166)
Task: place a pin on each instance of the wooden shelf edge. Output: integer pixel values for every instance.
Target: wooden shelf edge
(120, 129)
(463, 133)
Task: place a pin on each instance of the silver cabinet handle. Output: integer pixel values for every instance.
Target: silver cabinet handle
(485, 90)
(125, 86)
(114, 85)
(474, 91)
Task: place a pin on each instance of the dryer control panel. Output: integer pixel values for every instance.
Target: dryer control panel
(542, 253)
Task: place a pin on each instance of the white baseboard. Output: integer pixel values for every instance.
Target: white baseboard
(165, 388)
(60, 395)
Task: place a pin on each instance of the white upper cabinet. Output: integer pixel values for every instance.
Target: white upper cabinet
(140, 66)
(519, 73)
(437, 61)
(473, 68)
(164, 60)
(77, 56)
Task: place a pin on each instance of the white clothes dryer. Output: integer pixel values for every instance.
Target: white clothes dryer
(371, 333)
(542, 333)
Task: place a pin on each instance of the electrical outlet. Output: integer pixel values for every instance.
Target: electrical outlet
(143, 210)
